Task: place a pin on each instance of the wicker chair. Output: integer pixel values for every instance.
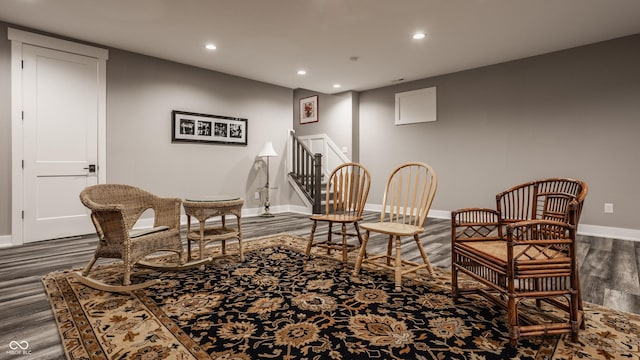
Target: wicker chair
(408, 195)
(525, 249)
(115, 208)
(345, 197)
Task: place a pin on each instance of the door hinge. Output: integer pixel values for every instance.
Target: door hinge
(23, 214)
(22, 115)
(22, 64)
(23, 164)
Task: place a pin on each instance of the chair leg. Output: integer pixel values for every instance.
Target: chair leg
(87, 268)
(313, 231)
(574, 310)
(423, 254)
(329, 240)
(389, 248)
(583, 323)
(398, 265)
(363, 249)
(454, 274)
(454, 282)
(355, 224)
(512, 316)
(344, 243)
(127, 275)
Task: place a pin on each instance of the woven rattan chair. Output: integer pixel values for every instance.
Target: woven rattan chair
(346, 195)
(115, 208)
(525, 249)
(407, 199)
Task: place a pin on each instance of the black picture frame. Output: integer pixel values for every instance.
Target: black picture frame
(204, 128)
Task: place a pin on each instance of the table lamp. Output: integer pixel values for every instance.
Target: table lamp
(267, 151)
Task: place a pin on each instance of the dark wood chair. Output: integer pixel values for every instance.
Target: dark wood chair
(115, 209)
(407, 199)
(525, 249)
(346, 194)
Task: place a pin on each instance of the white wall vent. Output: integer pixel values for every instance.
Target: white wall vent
(416, 106)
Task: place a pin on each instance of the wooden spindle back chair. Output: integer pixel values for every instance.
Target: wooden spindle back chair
(345, 197)
(408, 195)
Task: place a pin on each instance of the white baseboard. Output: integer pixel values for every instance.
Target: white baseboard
(5, 241)
(300, 209)
(253, 212)
(609, 232)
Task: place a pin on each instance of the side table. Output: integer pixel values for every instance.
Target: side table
(205, 208)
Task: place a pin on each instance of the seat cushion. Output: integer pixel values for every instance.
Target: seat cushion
(134, 233)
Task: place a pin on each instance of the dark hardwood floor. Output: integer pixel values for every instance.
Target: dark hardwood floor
(608, 273)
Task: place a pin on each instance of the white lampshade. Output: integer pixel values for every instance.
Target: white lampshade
(267, 150)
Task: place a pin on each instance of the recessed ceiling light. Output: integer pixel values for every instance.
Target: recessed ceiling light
(302, 72)
(419, 36)
(336, 85)
(210, 47)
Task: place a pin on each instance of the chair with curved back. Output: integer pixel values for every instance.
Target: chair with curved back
(407, 199)
(525, 249)
(346, 195)
(115, 209)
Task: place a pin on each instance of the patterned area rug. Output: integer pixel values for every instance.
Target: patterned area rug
(280, 305)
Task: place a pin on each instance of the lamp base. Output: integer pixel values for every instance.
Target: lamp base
(267, 205)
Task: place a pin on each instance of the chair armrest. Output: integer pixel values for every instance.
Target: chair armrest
(475, 224)
(536, 247)
(540, 232)
(110, 224)
(167, 212)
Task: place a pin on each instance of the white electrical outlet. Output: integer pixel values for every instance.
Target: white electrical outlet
(256, 195)
(608, 208)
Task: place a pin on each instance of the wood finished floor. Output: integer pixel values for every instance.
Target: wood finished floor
(608, 273)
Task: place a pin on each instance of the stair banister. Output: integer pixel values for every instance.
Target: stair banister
(306, 171)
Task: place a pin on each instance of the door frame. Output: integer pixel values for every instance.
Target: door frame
(18, 38)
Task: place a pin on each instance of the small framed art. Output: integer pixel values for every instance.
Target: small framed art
(194, 127)
(309, 109)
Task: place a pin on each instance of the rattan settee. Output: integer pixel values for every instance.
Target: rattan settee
(524, 249)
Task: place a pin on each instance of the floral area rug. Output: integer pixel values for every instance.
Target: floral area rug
(280, 305)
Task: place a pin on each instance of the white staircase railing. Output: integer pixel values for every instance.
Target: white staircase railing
(331, 154)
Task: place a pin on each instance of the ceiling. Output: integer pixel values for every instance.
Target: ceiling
(360, 44)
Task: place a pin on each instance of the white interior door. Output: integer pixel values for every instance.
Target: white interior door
(60, 139)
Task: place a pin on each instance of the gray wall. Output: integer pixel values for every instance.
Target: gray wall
(142, 91)
(5, 131)
(573, 113)
(355, 101)
(335, 118)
